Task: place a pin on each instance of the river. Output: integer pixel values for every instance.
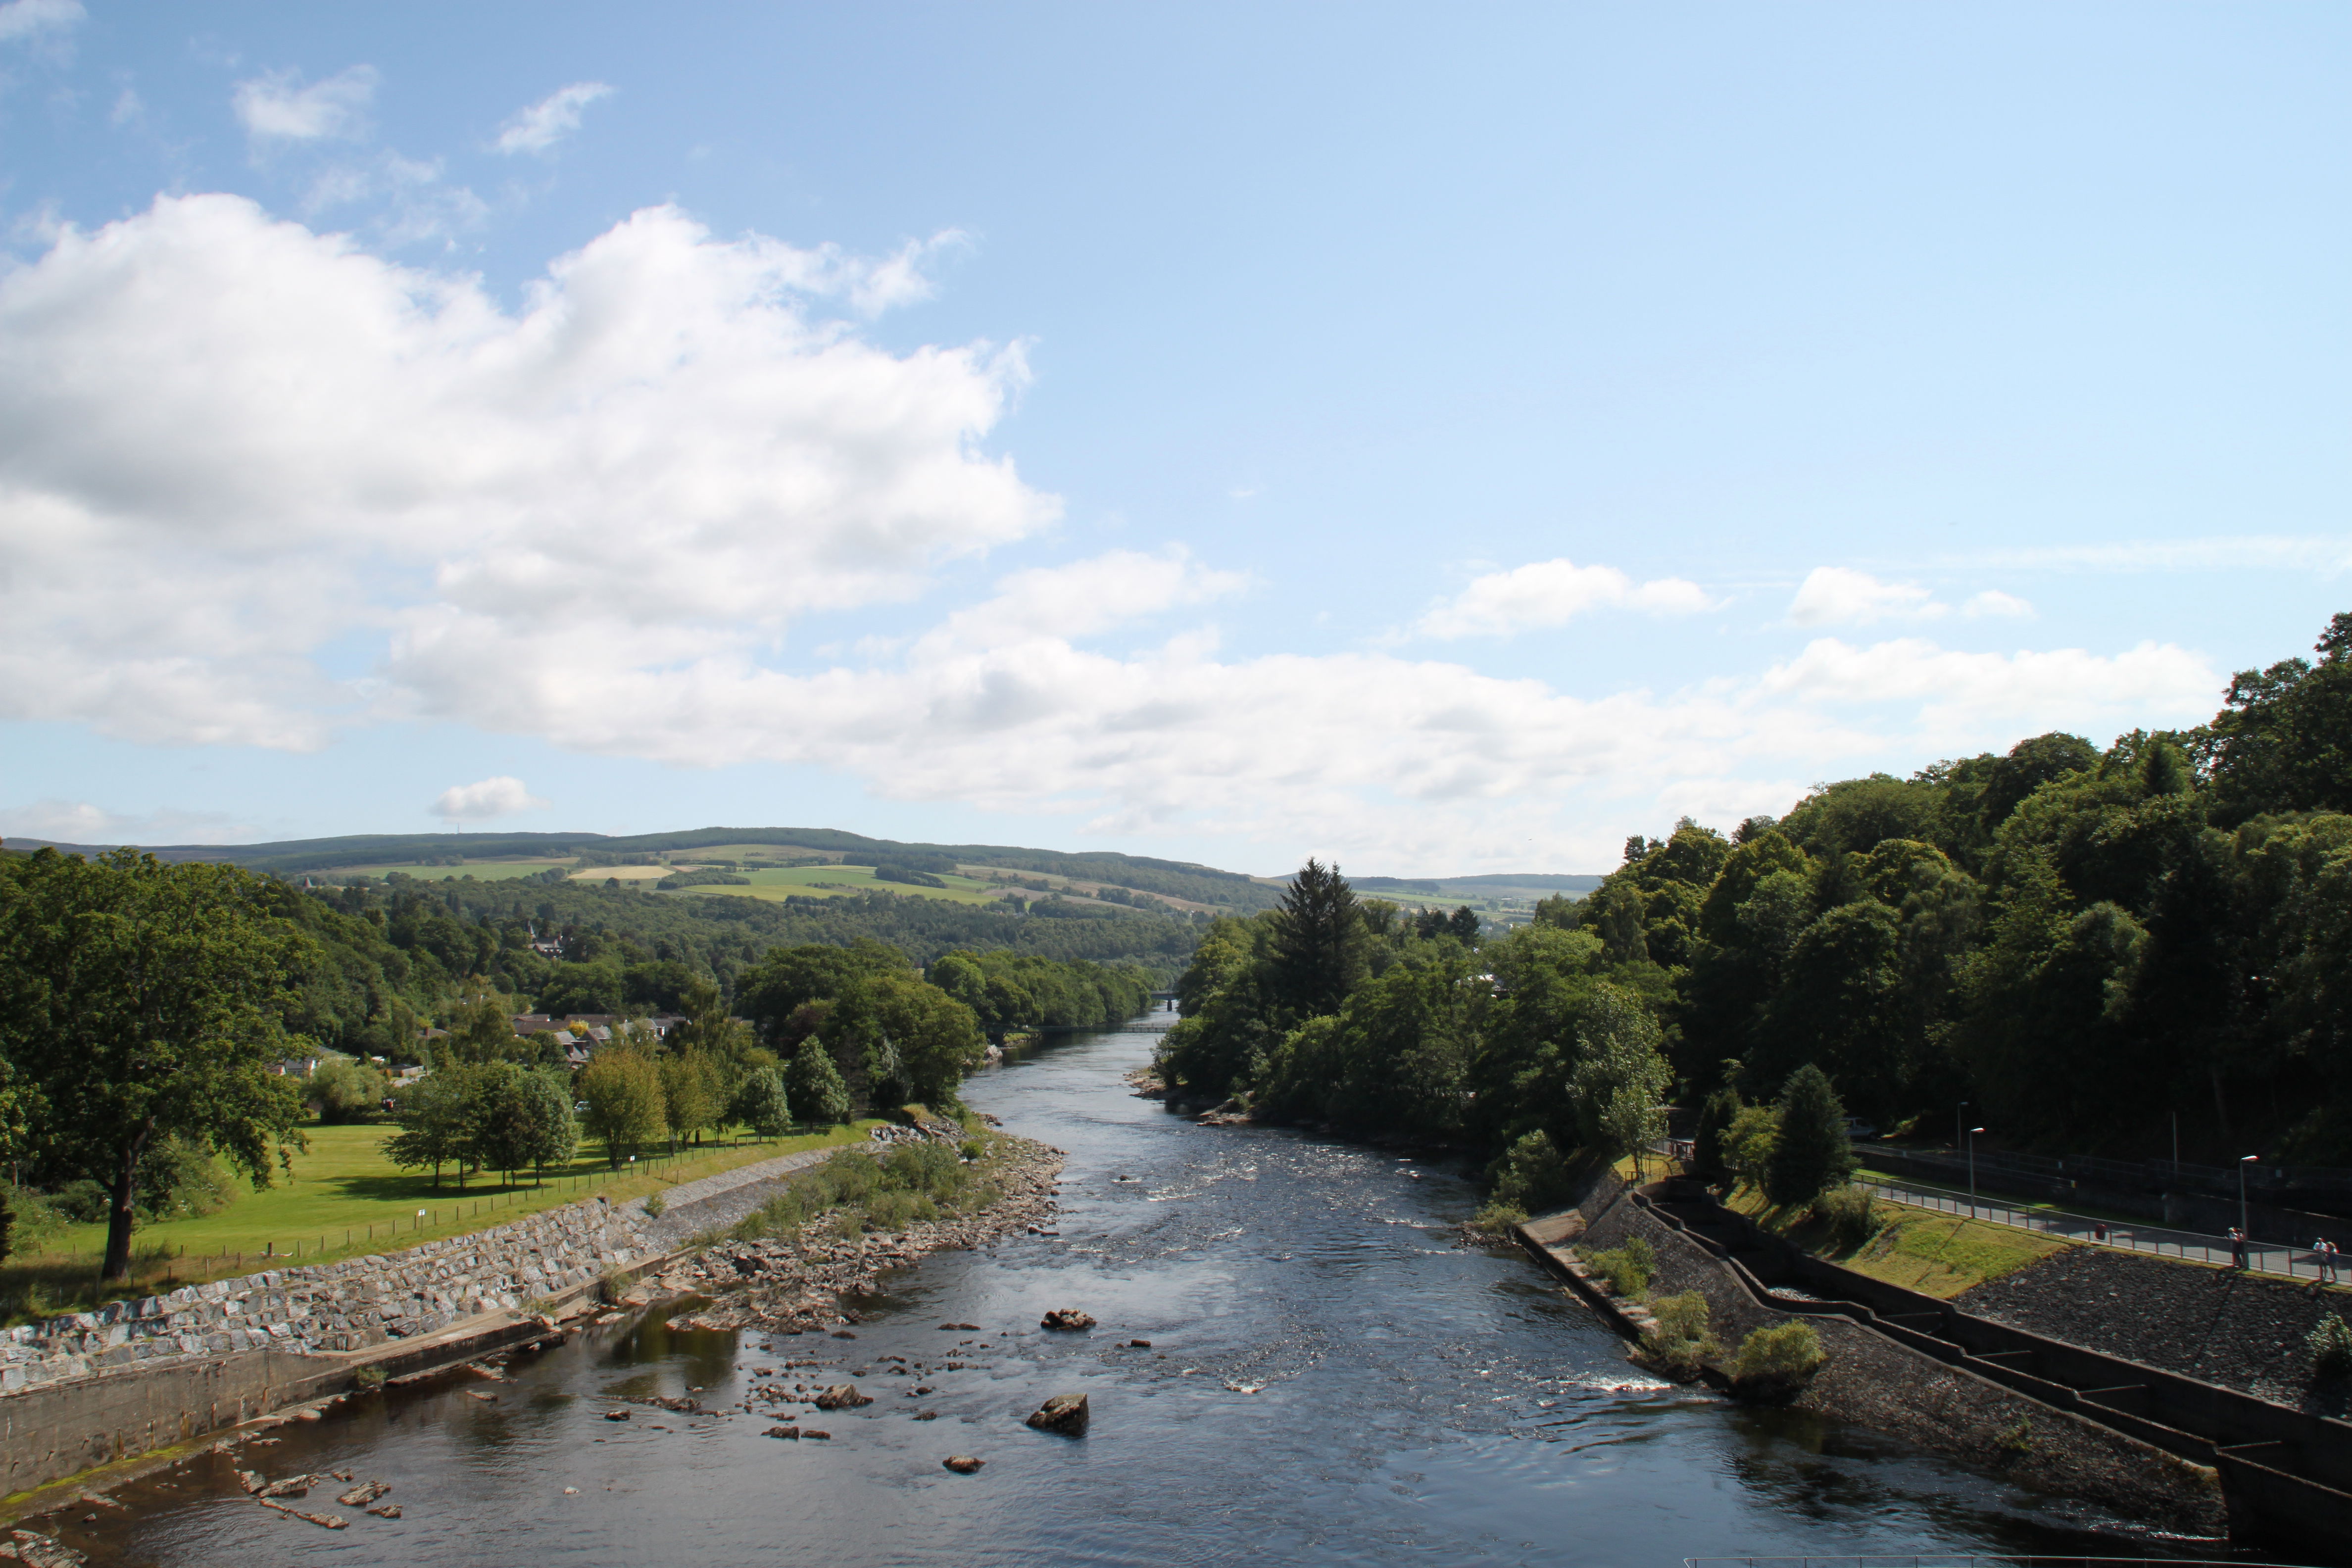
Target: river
(1331, 1380)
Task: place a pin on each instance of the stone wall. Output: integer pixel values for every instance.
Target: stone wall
(328, 1307)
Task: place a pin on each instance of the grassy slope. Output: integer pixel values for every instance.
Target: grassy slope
(344, 1186)
(1938, 1255)
(803, 882)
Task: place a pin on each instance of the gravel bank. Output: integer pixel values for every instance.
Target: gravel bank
(792, 1286)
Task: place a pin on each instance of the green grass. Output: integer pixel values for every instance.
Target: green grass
(1935, 1254)
(346, 1200)
(480, 870)
(804, 882)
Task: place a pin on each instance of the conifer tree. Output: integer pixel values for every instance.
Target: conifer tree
(1706, 1147)
(1317, 940)
(815, 1085)
(1813, 1154)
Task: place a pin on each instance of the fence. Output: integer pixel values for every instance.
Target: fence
(2262, 1257)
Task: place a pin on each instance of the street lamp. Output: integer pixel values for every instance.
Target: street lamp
(2243, 1228)
(1972, 1171)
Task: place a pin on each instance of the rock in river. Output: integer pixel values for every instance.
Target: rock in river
(1064, 1413)
(843, 1397)
(962, 1464)
(1066, 1318)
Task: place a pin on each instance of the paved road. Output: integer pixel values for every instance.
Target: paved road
(2296, 1262)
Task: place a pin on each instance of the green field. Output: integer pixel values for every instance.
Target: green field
(480, 870)
(806, 881)
(345, 1201)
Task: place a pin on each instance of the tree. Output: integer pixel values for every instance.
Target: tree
(483, 1030)
(763, 1103)
(521, 1117)
(623, 1087)
(139, 1001)
(1619, 1080)
(692, 1100)
(435, 1114)
(1715, 1118)
(1316, 941)
(345, 1089)
(1812, 1152)
(816, 1087)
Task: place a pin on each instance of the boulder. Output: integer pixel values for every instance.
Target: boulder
(1064, 1413)
(962, 1464)
(364, 1493)
(793, 1432)
(1066, 1318)
(386, 1510)
(843, 1397)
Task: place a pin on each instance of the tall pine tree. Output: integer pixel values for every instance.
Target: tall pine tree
(1317, 940)
(1812, 1152)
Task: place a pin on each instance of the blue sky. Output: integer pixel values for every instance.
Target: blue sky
(1446, 440)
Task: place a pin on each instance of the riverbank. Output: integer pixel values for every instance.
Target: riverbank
(796, 1284)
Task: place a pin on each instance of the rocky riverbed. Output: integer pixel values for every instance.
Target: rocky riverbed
(792, 1285)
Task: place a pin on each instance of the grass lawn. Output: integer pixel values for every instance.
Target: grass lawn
(1935, 1254)
(347, 1201)
(810, 882)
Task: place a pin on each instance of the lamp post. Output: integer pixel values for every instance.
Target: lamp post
(1972, 1171)
(2243, 1228)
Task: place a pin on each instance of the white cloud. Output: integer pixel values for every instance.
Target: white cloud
(224, 440)
(271, 107)
(551, 119)
(80, 822)
(1837, 596)
(227, 443)
(1993, 602)
(1550, 593)
(484, 799)
(26, 18)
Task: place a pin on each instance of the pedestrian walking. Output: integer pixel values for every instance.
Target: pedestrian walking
(2237, 1247)
(2324, 1252)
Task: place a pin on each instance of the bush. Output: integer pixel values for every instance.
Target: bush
(1681, 1339)
(368, 1379)
(1627, 1268)
(2331, 1346)
(1530, 1176)
(82, 1203)
(1852, 1217)
(1774, 1364)
(654, 1206)
(1498, 1218)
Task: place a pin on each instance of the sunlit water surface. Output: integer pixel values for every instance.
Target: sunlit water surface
(1331, 1380)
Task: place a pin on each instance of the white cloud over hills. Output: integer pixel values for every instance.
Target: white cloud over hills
(229, 442)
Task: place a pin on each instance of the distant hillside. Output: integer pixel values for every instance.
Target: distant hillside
(1172, 879)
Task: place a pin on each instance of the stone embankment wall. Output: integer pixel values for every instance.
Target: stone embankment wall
(330, 1307)
(1874, 1382)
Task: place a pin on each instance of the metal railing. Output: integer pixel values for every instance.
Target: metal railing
(2262, 1258)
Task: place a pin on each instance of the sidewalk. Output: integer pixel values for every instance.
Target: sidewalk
(2262, 1258)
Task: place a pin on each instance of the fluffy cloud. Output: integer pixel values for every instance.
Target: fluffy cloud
(551, 120)
(230, 445)
(26, 18)
(1840, 596)
(1550, 593)
(484, 799)
(271, 107)
(1993, 602)
(226, 440)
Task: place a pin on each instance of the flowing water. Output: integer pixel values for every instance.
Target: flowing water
(1331, 1379)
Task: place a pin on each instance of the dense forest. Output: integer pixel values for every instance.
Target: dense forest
(401, 954)
(2080, 944)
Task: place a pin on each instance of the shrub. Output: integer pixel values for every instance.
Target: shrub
(2015, 1441)
(1530, 1176)
(1852, 1215)
(2331, 1346)
(1774, 1364)
(1681, 1339)
(1627, 1268)
(654, 1206)
(368, 1379)
(1498, 1218)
